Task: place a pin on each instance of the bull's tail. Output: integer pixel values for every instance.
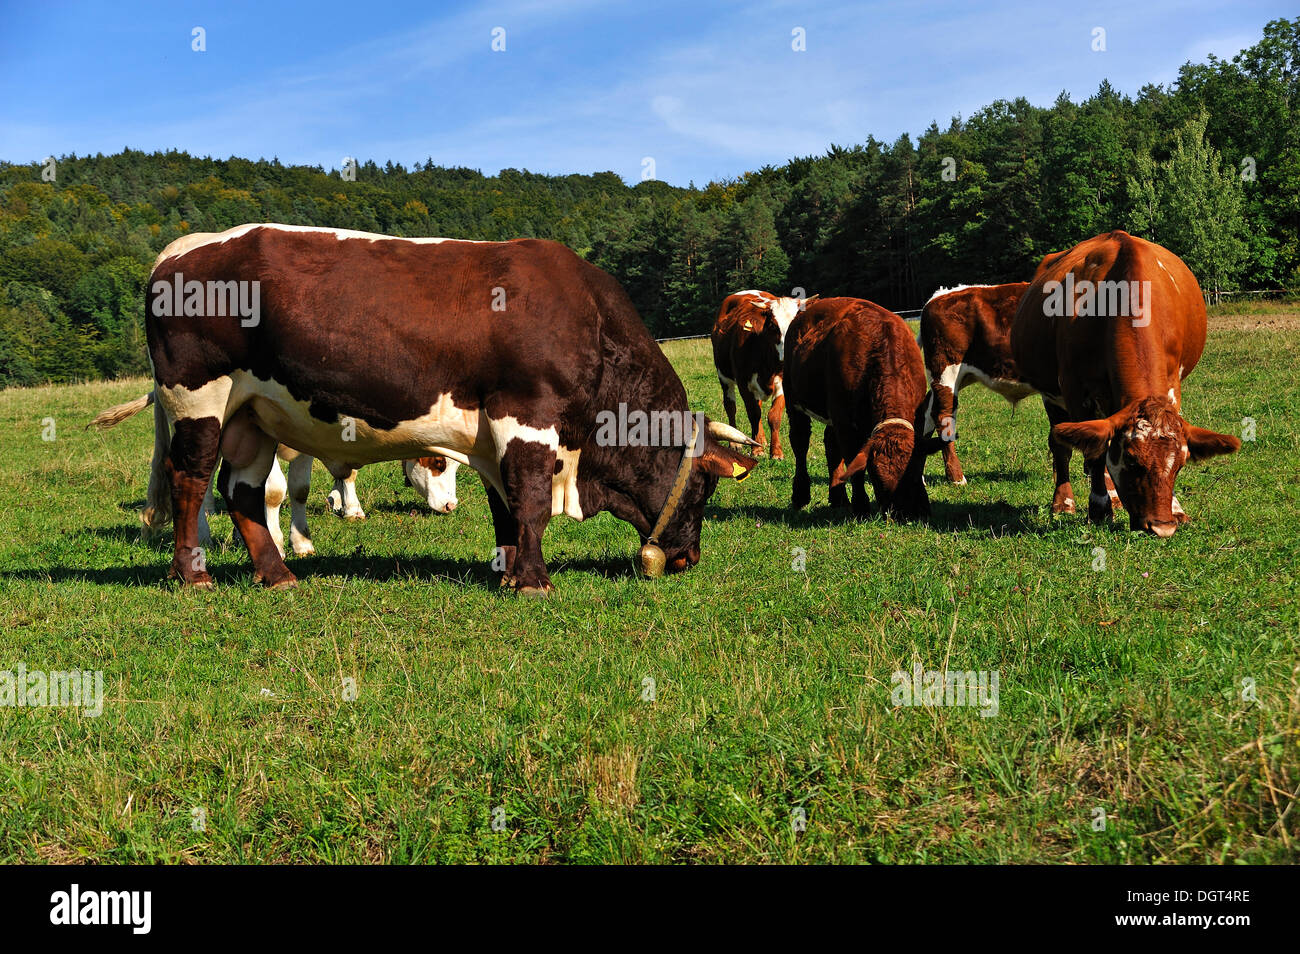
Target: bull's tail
(120, 412)
(158, 502)
(158, 505)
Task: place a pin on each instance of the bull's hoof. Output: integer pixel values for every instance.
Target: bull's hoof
(960, 482)
(800, 497)
(1063, 504)
(535, 592)
(1100, 514)
(778, 456)
(278, 580)
(354, 516)
(304, 551)
(204, 585)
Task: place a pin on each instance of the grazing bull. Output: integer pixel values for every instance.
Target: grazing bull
(358, 348)
(856, 368)
(433, 477)
(748, 346)
(1107, 331)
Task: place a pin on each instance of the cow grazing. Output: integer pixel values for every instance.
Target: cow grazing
(1106, 332)
(433, 477)
(748, 346)
(358, 348)
(856, 367)
(965, 334)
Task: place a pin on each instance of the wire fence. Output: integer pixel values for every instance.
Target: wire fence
(906, 315)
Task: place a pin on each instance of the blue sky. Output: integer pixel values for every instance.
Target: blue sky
(708, 90)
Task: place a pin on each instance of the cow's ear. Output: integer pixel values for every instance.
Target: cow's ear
(723, 462)
(1204, 444)
(1089, 438)
(856, 466)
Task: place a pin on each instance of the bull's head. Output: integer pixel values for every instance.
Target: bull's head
(1145, 444)
(678, 543)
(434, 479)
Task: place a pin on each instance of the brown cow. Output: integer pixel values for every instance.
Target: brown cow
(356, 347)
(965, 334)
(1106, 332)
(856, 368)
(748, 345)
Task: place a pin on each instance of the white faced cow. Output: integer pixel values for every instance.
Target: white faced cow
(434, 478)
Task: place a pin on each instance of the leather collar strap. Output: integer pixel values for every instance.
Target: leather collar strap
(679, 484)
(892, 420)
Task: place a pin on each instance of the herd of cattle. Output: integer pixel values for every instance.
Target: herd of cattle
(503, 356)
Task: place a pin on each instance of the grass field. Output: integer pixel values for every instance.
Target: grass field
(226, 737)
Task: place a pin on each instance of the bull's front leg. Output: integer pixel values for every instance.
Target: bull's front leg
(754, 411)
(299, 489)
(1099, 507)
(835, 468)
(527, 469)
(774, 423)
(343, 498)
(943, 411)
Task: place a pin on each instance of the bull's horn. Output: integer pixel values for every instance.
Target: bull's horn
(725, 432)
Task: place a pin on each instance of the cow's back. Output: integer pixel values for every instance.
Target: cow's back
(1120, 356)
(852, 350)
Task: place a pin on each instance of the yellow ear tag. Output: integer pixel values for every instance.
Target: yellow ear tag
(738, 472)
(749, 326)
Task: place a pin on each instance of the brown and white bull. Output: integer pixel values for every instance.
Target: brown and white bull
(965, 334)
(855, 367)
(1107, 331)
(748, 347)
(357, 348)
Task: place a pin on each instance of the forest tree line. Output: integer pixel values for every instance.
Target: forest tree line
(1209, 167)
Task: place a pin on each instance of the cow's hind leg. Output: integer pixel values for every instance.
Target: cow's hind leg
(728, 398)
(754, 411)
(276, 490)
(189, 465)
(800, 435)
(1063, 498)
(343, 498)
(506, 530)
(299, 487)
(250, 454)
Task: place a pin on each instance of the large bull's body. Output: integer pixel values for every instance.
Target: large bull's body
(366, 348)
